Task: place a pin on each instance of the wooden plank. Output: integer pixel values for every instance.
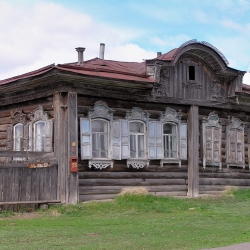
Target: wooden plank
(72, 145)
(27, 154)
(22, 164)
(118, 189)
(193, 152)
(231, 175)
(29, 202)
(96, 197)
(130, 182)
(1, 184)
(130, 175)
(226, 181)
(180, 193)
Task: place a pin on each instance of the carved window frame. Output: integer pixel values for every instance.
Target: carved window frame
(170, 116)
(100, 112)
(235, 129)
(138, 115)
(37, 116)
(211, 142)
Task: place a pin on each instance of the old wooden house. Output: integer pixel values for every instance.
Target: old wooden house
(176, 125)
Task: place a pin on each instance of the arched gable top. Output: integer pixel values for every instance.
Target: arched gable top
(203, 50)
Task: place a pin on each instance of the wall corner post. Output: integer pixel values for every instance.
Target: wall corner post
(193, 152)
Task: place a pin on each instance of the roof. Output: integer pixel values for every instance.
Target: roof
(129, 71)
(245, 89)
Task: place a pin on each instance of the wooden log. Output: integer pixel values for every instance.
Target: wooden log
(181, 193)
(130, 182)
(130, 175)
(96, 197)
(231, 175)
(24, 164)
(224, 181)
(118, 189)
(213, 187)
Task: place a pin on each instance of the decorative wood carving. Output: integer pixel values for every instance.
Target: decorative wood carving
(217, 91)
(137, 164)
(101, 110)
(235, 123)
(137, 114)
(39, 115)
(100, 164)
(18, 117)
(170, 115)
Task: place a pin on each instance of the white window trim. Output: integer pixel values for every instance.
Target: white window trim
(212, 121)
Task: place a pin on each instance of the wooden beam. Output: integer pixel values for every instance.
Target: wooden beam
(72, 146)
(28, 202)
(193, 151)
(26, 154)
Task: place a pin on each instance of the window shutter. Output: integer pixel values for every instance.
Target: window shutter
(155, 140)
(216, 146)
(124, 139)
(49, 136)
(30, 139)
(183, 141)
(86, 151)
(116, 140)
(9, 144)
(240, 147)
(26, 137)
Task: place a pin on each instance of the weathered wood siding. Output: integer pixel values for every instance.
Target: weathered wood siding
(206, 87)
(106, 184)
(20, 183)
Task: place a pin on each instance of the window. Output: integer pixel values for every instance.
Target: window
(211, 130)
(95, 136)
(40, 131)
(137, 139)
(191, 71)
(100, 138)
(170, 140)
(39, 136)
(167, 138)
(235, 143)
(18, 137)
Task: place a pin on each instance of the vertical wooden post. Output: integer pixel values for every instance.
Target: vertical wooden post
(193, 151)
(61, 143)
(72, 146)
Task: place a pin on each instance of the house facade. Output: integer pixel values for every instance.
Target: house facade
(176, 125)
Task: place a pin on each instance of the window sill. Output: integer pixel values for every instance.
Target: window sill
(137, 163)
(165, 161)
(212, 163)
(240, 165)
(100, 164)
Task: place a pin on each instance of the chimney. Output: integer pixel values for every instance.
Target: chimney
(102, 48)
(80, 51)
(159, 54)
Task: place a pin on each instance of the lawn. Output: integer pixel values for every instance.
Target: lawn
(132, 222)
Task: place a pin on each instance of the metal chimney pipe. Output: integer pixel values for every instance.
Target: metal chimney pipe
(102, 48)
(159, 54)
(80, 51)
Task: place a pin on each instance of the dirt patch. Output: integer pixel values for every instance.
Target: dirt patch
(22, 216)
(134, 190)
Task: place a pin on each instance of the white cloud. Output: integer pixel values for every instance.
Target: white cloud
(45, 33)
(246, 78)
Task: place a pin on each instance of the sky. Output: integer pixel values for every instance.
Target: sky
(34, 34)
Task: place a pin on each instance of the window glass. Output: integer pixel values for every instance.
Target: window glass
(18, 137)
(137, 139)
(39, 136)
(99, 138)
(170, 140)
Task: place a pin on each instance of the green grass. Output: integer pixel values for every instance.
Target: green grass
(133, 222)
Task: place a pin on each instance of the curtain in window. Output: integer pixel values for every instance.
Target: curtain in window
(170, 140)
(39, 136)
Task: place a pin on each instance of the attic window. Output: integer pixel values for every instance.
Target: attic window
(191, 72)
